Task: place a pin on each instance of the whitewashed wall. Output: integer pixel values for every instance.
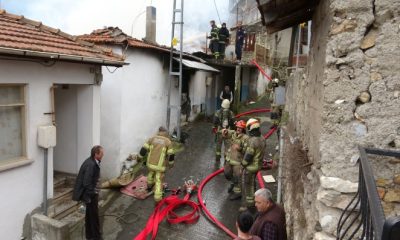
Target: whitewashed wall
(133, 106)
(23, 185)
(197, 90)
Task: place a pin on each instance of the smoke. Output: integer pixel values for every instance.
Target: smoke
(84, 16)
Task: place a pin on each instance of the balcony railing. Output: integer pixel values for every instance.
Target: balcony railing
(364, 218)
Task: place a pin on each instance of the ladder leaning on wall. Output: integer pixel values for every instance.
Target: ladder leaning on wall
(172, 73)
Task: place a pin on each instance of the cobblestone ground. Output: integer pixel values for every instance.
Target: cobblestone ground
(197, 161)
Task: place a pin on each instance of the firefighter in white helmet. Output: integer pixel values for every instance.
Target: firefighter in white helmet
(223, 119)
(252, 162)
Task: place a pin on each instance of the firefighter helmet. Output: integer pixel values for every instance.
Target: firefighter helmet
(241, 124)
(225, 104)
(252, 124)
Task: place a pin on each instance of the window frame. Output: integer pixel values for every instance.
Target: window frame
(23, 159)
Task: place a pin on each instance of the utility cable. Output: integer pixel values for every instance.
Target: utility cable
(216, 8)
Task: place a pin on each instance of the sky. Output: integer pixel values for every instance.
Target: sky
(83, 16)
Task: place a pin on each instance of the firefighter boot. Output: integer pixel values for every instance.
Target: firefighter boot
(235, 196)
(230, 188)
(217, 158)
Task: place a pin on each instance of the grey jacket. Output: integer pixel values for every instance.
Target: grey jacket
(85, 185)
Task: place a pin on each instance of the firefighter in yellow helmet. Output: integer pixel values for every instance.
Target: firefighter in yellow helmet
(160, 156)
(252, 162)
(232, 165)
(223, 119)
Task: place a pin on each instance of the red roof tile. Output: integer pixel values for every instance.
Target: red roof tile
(19, 35)
(114, 35)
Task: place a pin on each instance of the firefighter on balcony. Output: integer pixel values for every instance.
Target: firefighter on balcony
(214, 39)
(234, 157)
(160, 156)
(223, 119)
(223, 38)
(252, 162)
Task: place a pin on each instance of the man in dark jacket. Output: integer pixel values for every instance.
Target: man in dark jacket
(240, 36)
(223, 38)
(86, 190)
(270, 223)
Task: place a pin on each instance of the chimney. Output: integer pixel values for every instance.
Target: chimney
(151, 24)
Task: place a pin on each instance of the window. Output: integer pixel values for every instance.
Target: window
(12, 124)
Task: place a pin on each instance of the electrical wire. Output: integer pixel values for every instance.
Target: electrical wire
(115, 69)
(216, 8)
(46, 63)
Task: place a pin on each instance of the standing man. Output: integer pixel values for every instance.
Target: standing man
(160, 155)
(186, 106)
(223, 36)
(240, 35)
(214, 39)
(226, 94)
(86, 190)
(270, 223)
(232, 165)
(252, 162)
(223, 119)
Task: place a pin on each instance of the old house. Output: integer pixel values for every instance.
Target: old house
(134, 98)
(48, 78)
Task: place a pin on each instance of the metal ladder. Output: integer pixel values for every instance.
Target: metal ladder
(172, 74)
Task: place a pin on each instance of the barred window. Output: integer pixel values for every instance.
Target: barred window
(12, 123)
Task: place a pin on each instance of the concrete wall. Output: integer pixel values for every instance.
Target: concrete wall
(133, 105)
(354, 52)
(67, 129)
(197, 91)
(21, 187)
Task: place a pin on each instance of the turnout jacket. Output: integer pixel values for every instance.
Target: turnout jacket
(160, 153)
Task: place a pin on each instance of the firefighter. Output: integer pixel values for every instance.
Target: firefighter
(252, 162)
(223, 38)
(223, 119)
(276, 111)
(232, 165)
(214, 39)
(160, 156)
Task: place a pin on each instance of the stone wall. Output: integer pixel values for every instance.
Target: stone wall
(347, 96)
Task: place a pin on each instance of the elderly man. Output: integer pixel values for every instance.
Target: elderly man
(270, 223)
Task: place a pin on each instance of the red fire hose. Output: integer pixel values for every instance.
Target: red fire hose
(253, 111)
(166, 206)
(261, 70)
(203, 206)
(165, 209)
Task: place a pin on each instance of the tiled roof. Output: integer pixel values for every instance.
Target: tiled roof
(22, 36)
(114, 35)
(117, 36)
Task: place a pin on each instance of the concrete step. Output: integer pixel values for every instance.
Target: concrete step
(62, 206)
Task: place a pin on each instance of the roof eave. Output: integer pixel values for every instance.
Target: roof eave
(58, 56)
(277, 15)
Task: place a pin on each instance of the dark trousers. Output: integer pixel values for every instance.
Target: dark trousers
(238, 51)
(221, 50)
(92, 223)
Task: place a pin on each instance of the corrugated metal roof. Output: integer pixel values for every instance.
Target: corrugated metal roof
(197, 65)
(22, 36)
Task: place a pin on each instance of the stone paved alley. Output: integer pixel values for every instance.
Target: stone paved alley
(197, 160)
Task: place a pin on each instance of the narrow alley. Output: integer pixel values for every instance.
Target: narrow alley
(196, 161)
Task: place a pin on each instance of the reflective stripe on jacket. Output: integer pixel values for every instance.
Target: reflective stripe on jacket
(158, 147)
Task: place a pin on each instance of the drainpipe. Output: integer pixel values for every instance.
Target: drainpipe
(279, 197)
(298, 48)
(45, 173)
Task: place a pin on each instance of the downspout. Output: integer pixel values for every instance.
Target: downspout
(279, 192)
